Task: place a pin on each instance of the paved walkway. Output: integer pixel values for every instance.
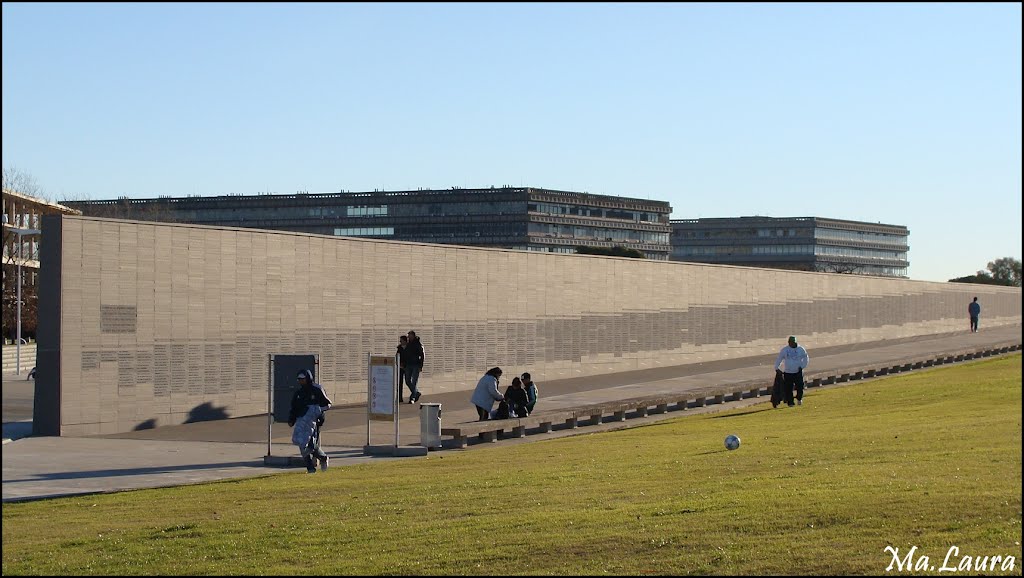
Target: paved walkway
(41, 467)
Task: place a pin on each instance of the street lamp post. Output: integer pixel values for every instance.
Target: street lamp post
(20, 233)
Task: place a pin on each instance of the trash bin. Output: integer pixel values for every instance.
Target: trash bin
(430, 425)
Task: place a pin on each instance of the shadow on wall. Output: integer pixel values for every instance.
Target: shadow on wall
(206, 412)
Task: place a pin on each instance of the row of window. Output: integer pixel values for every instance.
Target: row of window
(584, 211)
(737, 233)
(229, 215)
(864, 253)
(367, 211)
(243, 214)
(364, 231)
(883, 271)
(743, 250)
(552, 249)
(777, 233)
(598, 233)
(866, 236)
(787, 250)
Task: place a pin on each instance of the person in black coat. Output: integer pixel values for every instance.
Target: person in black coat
(413, 358)
(306, 416)
(517, 399)
(403, 342)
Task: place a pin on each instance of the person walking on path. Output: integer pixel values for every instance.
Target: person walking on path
(414, 358)
(306, 417)
(974, 310)
(486, 393)
(403, 342)
(795, 359)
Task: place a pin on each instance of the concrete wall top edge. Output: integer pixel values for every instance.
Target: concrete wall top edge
(699, 267)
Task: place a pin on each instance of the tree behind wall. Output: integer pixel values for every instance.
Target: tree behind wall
(29, 310)
(19, 181)
(124, 209)
(616, 251)
(1005, 271)
(838, 267)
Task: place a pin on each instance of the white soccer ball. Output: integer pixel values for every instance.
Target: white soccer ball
(732, 442)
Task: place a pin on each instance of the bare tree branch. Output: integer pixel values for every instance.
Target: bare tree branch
(19, 181)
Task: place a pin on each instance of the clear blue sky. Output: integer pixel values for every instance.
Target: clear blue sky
(906, 114)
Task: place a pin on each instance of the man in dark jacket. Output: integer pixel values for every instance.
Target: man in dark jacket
(974, 311)
(306, 417)
(403, 342)
(413, 356)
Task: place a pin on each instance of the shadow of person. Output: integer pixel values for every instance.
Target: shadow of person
(206, 412)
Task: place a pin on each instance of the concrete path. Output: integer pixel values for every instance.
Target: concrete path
(42, 467)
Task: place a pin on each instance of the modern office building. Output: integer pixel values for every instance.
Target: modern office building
(796, 243)
(523, 218)
(21, 241)
(21, 214)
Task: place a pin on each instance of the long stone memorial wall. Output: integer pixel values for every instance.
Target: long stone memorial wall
(149, 324)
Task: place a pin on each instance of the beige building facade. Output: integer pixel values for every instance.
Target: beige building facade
(149, 324)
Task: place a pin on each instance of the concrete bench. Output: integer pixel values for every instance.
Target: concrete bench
(490, 430)
(594, 413)
(487, 431)
(545, 420)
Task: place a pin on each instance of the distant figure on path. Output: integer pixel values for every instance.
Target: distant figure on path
(795, 359)
(403, 342)
(413, 357)
(974, 310)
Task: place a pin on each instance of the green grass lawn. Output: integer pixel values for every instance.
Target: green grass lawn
(930, 459)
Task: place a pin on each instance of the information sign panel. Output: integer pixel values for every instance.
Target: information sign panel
(381, 388)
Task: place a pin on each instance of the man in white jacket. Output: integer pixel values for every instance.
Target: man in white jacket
(795, 359)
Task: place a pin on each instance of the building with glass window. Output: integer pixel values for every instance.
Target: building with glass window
(796, 243)
(22, 238)
(523, 218)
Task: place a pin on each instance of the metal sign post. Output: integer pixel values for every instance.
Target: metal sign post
(270, 400)
(382, 395)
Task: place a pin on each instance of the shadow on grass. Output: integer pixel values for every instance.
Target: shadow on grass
(742, 413)
(115, 473)
(158, 470)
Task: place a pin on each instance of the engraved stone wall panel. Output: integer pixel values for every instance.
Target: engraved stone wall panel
(163, 323)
